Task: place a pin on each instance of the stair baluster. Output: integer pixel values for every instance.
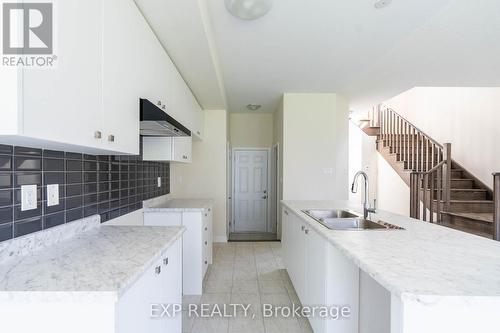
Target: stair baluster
(496, 199)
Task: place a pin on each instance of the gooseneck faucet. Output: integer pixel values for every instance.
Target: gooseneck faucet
(354, 189)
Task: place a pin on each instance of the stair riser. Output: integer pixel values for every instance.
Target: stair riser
(471, 207)
(468, 225)
(463, 195)
(460, 184)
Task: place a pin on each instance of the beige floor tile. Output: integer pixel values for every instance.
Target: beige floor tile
(280, 325)
(210, 325)
(272, 287)
(252, 299)
(217, 286)
(246, 325)
(245, 286)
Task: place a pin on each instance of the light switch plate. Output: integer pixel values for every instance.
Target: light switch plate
(28, 197)
(52, 195)
(159, 181)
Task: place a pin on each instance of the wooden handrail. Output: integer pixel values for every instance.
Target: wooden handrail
(429, 162)
(431, 170)
(496, 200)
(418, 129)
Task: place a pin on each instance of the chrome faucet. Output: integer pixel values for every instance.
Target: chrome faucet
(354, 189)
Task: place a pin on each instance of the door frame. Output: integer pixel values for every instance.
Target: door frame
(277, 190)
(233, 192)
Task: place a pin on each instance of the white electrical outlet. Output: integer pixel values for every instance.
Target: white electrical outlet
(28, 197)
(52, 195)
(159, 181)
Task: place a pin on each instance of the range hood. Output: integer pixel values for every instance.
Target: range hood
(156, 122)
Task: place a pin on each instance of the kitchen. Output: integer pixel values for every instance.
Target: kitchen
(152, 180)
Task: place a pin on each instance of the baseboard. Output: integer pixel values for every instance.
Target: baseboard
(220, 239)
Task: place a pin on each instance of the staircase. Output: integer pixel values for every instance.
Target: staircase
(441, 190)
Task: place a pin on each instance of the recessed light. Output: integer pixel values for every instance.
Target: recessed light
(253, 107)
(382, 3)
(249, 9)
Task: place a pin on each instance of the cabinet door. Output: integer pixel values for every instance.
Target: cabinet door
(172, 284)
(315, 282)
(297, 255)
(126, 39)
(199, 124)
(182, 147)
(134, 307)
(193, 259)
(63, 104)
(285, 239)
(157, 149)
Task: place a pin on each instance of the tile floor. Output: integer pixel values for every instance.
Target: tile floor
(247, 273)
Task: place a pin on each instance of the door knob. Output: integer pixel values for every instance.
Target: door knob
(264, 197)
(265, 191)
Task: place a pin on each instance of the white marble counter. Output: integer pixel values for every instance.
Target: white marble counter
(419, 263)
(104, 261)
(182, 205)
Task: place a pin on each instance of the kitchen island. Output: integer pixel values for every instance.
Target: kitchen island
(425, 278)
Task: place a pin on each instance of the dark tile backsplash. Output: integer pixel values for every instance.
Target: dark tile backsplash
(107, 185)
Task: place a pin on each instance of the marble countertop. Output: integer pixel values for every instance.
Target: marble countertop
(106, 259)
(423, 260)
(180, 205)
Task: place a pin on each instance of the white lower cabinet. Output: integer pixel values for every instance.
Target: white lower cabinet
(197, 242)
(320, 273)
(161, 284)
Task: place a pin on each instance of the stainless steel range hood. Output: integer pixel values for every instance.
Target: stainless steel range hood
(156, 122)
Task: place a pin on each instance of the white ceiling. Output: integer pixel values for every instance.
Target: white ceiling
(344, 46)
(184, 31)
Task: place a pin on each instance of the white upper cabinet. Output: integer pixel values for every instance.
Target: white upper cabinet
(125, 36)
(60, 107)
(171, 149)
(107, 59)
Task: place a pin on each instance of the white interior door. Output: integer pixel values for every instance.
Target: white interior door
(250, 190)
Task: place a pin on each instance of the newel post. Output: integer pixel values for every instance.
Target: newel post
(447, 176)
(496, 200)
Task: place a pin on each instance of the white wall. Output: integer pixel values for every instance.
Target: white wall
(466, 117)
(393, 194)
(362, 156)
(315, 140)
(206, 176)
(251, 130)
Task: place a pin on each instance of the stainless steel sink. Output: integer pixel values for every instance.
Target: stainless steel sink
(318, 214)
(351, 224)
(338, 219)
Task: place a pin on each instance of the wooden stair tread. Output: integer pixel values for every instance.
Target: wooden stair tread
(485, 217)
(470, 201)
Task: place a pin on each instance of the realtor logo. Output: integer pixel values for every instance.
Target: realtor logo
(28, 34)
(28, 28)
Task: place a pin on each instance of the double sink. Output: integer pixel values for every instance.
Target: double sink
(337, 219)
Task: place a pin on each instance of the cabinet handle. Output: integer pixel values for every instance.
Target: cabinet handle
(303, 228)
(210, 209)
(206, 228)
(206, 262)
(158, 270)
(198, 132)
(206, 215)
(97, 134)
(111, 138)
(165, 261)
(159, 103)
(163, 107)
(206, 243)
(286, 213)
(306, 231)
